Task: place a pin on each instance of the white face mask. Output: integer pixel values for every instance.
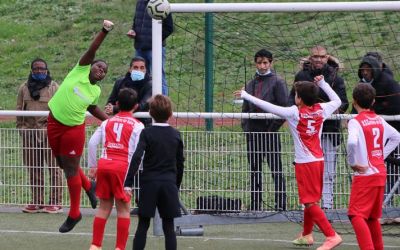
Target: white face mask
(266, 73)
(137, 75)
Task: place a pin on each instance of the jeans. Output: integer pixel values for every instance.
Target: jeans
(259, 146)
(330, 152)
(146, 54)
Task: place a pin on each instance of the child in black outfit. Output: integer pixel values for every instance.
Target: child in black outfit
(160, 148)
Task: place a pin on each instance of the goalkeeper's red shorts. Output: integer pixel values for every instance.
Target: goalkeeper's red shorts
(309, 177)
(366, 201)
(110, 184)
(65, 140)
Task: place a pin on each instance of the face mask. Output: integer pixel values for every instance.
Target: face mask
(39, 76)
(137, 75)
(266, 73)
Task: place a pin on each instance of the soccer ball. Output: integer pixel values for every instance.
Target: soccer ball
(158, 9)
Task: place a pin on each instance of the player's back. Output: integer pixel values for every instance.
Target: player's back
(120, 138)
(306, 127)
(370, 142)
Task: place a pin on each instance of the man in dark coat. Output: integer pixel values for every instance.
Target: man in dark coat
(262, 138)
(320, 63)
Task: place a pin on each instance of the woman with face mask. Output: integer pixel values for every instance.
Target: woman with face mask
(137, 79)
(33, 95)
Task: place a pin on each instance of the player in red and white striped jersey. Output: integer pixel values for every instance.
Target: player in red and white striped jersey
(305, 124)
(371, 139)
(119, 136)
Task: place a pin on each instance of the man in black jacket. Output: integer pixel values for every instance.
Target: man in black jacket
(387, 102)
(141, 33)
(262, 137)
(137, 79)
(320, 63)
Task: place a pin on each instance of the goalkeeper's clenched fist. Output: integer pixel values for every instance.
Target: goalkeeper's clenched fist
(107, 26)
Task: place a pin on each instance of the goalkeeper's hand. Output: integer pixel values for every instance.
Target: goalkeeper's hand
(108, 25)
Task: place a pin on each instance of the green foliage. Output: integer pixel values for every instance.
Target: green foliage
(60, 31)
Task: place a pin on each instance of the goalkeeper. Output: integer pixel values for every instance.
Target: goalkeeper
(77, 94)
(305, 123)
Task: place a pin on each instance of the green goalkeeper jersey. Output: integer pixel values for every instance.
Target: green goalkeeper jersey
(75, 95)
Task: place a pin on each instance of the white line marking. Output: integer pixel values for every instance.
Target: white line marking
(182, 237)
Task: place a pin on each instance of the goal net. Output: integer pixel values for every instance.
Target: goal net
(217, 164)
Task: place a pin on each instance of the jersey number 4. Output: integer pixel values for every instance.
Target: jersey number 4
(117, 129)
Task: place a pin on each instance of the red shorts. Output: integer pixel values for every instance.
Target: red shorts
(366, 201)
(309, 177)
(110, 184)
(65, 140)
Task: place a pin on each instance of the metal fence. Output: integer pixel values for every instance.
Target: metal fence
(216, 179)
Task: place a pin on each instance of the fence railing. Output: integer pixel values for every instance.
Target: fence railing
(216, 179)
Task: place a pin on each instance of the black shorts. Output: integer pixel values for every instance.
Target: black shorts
(160, 194)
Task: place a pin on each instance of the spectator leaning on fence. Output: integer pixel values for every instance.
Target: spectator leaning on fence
(370, 140)
(320, 62)
(77, 94)
(33, 95)
(387, 101)
(305, 124)
(141, 33)
(160, 150)
(138, 79)
(262, 138)
(119, 136)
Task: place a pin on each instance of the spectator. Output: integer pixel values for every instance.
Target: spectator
(387, 101)
(137, 79)
(262, 138)
(33, 95)
(119, 136)
(141, 33)
(77, 94)
(160, 151)
(321, 63)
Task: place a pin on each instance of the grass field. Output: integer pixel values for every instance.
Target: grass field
(40, 231)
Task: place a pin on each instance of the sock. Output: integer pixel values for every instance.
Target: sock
(376, 233)
(308, 223)
(122, 232)
(74, 188)
(363, 234)
(322, 222)
(85, 181)
(98, 231)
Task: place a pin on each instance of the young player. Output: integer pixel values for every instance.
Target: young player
(77, 94)
(161, 148)
(305, 123)
(371, 139)
(119, 136)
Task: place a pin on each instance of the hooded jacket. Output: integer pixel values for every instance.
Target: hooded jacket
(387, 100)
(330, 73)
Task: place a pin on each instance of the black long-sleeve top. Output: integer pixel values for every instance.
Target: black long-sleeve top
(160, 149)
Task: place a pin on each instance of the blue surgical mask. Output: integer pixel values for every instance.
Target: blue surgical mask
(39, 76)
(137, 75)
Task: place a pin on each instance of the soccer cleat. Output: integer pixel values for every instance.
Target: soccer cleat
(331, 242)
(92, 195)
(53, 209)
(32, 209)
(69, 224)
(94, 247)
(306, 240)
